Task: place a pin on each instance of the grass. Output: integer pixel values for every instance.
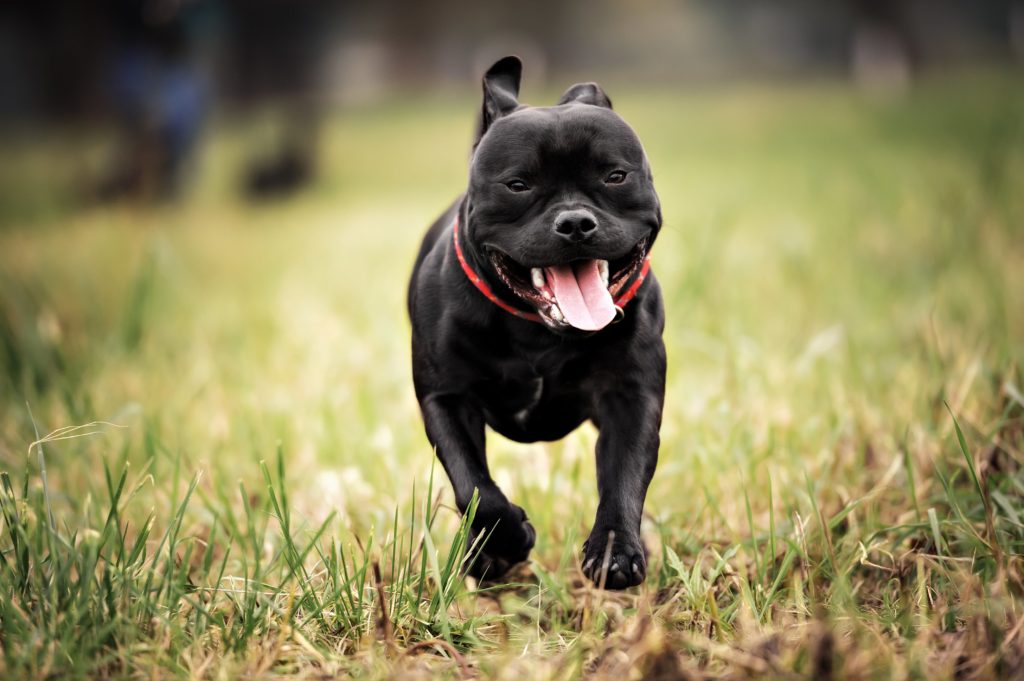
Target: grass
(213, 464)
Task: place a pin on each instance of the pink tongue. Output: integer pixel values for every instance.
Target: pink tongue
(581, 295)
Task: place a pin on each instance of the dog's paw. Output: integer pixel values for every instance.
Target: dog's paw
(498, 542)
(626, 561)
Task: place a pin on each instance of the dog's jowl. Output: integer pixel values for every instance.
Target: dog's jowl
(534, 309)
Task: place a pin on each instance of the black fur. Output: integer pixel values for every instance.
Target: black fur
(476, 365)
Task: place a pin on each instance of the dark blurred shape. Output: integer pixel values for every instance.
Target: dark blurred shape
(289, 167)
(1016, 22)
(158, 95)
(277, 54)
(882, 45)
(284, 173)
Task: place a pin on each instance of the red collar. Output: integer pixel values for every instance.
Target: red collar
(482, 286)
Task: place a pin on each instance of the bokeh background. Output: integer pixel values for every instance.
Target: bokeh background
(150, 80)
(208, 213)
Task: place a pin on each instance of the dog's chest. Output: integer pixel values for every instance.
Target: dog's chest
(515, 395)
(523, 386)
(536, 393)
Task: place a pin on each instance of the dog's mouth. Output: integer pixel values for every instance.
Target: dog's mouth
(580, 294)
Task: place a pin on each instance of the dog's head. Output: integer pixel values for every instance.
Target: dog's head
(561, 203)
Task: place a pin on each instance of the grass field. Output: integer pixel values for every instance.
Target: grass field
(213, 463)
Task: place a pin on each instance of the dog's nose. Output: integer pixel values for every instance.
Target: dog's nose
(576, 225)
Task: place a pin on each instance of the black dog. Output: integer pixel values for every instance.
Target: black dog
(520, 319)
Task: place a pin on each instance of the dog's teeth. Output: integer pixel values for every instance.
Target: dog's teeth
(602, 269)
(556, 314)
(537, 274)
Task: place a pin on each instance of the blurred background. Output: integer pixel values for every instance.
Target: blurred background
(149, 76)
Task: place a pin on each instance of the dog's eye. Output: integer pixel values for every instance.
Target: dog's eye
(617, 177)
(517, 186)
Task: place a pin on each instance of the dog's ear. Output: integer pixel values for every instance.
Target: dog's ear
(501, 91)
(586, 93)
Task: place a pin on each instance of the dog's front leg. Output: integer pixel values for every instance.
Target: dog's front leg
(627, 453)
(456, 429)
